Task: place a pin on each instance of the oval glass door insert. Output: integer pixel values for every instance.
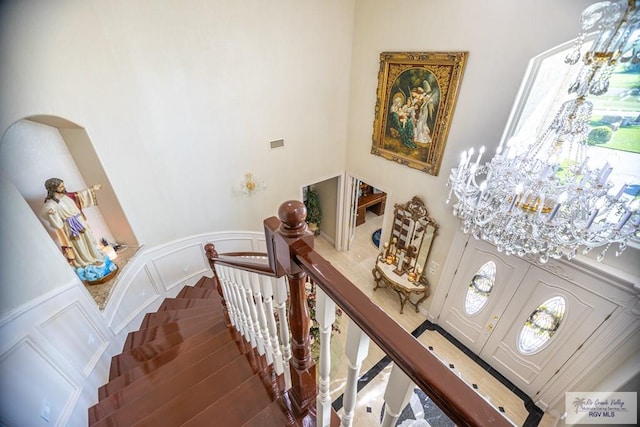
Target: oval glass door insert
(541, 325)
(480, 288)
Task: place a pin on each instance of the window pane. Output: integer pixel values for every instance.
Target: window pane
(480, 288)
(541, 325)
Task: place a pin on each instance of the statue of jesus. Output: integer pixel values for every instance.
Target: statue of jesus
(63, 212)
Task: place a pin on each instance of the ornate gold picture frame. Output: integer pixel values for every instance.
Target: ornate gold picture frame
(417, 93)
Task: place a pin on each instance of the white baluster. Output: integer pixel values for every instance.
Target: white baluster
(244, 308)
(281, 294)
(267, 295)
(357, 349)
(229, 296)
(257, 342)
(237, 302)
(396, 396)
(325, 316)
(262, 318)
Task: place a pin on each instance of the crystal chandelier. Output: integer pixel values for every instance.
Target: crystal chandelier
(546, 198)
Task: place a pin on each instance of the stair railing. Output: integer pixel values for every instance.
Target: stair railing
(254, 301)
(290, 254)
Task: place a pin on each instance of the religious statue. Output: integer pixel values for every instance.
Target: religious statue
(63, 211)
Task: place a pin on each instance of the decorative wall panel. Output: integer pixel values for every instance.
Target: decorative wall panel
(138, 295)
(34, 389)
(82, 345)
(174, 268)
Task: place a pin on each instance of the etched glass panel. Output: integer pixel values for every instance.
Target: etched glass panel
(480, 288)
(541, 325)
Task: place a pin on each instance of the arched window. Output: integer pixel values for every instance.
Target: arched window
(480, 288)
(541, 325)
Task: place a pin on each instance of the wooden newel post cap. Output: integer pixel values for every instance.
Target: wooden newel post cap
(292, 213)
(210, 250)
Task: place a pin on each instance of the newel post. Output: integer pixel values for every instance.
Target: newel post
(291, 231)
(210, 251)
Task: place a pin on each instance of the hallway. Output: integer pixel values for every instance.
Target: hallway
(357, 264)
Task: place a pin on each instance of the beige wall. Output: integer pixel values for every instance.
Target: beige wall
(328, 194)
(26, 249)
(181, 99)
(501, 37)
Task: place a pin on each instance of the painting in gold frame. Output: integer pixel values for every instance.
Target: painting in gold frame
(417, 93)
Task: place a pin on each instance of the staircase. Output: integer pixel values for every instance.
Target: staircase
(184, 366)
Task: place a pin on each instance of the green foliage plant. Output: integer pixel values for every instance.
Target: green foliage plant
(314, 213)
(599, 135)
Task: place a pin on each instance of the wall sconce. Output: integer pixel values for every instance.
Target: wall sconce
(250, 184)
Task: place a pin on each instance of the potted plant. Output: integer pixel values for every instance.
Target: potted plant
(314, 213)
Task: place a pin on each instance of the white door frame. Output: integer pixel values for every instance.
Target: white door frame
(350, 210)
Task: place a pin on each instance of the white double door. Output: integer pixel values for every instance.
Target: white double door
(518, 290)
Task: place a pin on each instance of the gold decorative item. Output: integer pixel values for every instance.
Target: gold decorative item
(412, 233)
(416, 96)
(250, 185)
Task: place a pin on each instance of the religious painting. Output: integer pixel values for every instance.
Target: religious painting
(416, 97)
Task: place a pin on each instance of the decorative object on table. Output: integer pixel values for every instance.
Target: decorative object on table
(401, 266)
(416, 96)
(547, 198)
(314, 212)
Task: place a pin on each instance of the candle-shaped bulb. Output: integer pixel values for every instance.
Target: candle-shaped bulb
(621, 192)
(563, 197)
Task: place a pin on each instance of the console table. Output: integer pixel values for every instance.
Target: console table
(385, 277)
(374, 202)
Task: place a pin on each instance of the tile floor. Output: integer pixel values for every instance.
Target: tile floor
(357, 264)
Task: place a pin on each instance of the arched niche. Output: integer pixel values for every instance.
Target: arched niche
(42, 146)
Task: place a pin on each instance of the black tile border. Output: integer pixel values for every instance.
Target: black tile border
(535, 413)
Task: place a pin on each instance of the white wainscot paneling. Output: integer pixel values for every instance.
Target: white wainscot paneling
(260, 245)
(175, 267)
(30, 382)
(237, 244)
(139, 294)
(74, 335)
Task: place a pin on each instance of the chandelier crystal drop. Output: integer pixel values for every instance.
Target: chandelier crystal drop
(547, 198)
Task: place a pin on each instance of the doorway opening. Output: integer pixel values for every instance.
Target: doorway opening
(362, 200)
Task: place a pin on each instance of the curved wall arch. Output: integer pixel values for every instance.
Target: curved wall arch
(40, 147)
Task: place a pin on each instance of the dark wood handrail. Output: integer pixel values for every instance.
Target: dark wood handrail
(463, 405)
(290, 248)
(241, 261)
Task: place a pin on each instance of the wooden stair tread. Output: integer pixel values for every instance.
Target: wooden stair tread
(162, 317)
(272, 415)
(126, 360)
(137, 338)
(177, 378)
(163, 405)
(233, 409)
(193, 292)
(185, 366)
(176, 303)
(207, 282)
(188, 352)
